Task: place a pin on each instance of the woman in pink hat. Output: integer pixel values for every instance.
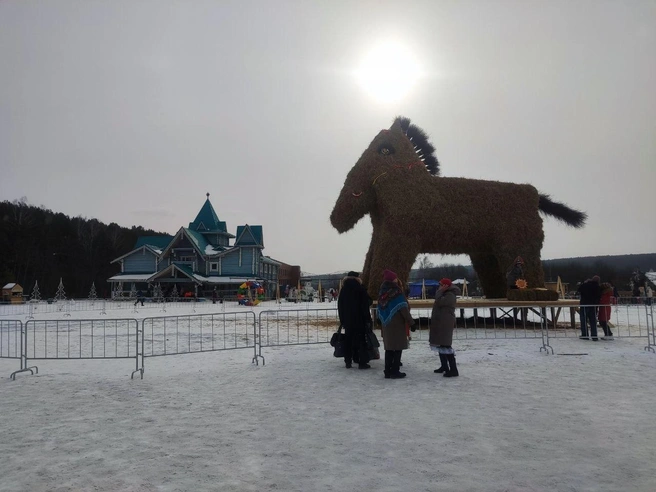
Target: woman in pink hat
(443, 321)
(394, 314)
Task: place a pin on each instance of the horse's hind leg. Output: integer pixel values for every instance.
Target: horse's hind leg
(533, 270)
(490, 273)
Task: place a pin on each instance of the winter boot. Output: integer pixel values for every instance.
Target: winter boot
(396, 374)
(452, 371)
(389, 359)
(444, 365)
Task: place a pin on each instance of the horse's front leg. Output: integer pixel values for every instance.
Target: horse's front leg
(366, 269)
(391, 251)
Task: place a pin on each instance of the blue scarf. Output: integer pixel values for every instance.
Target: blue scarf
(390, 301)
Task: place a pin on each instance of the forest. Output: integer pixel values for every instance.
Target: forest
(37, 244)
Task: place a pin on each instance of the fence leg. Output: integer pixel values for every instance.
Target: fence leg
(651, 331)
(545, 339)
(138, 369)
(257, 345)
(544, 325)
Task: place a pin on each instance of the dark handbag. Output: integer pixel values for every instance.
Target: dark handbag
(372, 345)
(338, 340)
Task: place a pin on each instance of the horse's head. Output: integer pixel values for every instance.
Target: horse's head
(402, 146)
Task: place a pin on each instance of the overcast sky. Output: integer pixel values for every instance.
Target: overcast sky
(130, 111)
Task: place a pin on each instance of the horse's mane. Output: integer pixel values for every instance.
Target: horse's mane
(422, 146)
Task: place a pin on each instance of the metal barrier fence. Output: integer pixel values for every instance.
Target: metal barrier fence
(543, 323)
(625, 321)
(12, 343)
(174, 335)
(82, 339)
(295, 327)
(491, 323)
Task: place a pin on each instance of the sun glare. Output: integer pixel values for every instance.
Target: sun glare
(388, 72)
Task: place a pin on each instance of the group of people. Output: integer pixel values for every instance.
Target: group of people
(595, 300)
(393, 311)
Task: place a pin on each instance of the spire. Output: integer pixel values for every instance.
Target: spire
(207, 220)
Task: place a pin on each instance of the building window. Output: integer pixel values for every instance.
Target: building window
(214, 267)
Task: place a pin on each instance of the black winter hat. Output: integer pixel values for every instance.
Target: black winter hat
(352, 274)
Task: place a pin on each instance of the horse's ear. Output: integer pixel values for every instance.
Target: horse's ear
(401, 123)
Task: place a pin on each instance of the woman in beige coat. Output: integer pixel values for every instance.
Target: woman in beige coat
(443, 321)
(393, 313)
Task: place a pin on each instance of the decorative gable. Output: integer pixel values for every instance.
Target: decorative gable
(249, 236)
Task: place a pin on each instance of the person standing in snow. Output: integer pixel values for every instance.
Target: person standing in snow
(394, 315)
(443, 322)
(353, 309)
(590, 292)
(140, 298)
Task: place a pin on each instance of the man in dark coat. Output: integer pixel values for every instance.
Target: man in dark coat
(353, 308)
(590, 292)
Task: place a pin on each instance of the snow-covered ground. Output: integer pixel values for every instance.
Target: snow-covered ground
(516, 419)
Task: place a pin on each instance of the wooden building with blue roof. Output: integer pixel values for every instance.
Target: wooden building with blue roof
(199, 259)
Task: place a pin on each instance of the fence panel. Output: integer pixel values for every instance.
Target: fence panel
(11, 341)
(296, 327)
(489, 323)
(82, 339)
(174, 335)
(626, 321)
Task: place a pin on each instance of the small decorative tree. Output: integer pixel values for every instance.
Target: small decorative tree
(36, 295)
(133, 292)
(61, 294)
(158, 294)
(174, 294)
(92, 293)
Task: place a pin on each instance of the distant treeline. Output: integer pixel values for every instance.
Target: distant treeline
(617, 269)
(37, 244)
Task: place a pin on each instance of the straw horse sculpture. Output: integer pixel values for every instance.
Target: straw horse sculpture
(414, 212)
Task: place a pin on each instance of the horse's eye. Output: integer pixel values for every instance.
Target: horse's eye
(385, 149)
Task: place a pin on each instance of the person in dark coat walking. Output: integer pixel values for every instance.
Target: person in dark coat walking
(394, 315)
(590, 292)
(140, 298)
(443, 321)
(353, 309)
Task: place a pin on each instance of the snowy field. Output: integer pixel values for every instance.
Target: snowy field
(515, 420)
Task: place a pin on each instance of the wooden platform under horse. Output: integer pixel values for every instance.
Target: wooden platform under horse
(501, 311)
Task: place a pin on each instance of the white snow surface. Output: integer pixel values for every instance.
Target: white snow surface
(515, 420)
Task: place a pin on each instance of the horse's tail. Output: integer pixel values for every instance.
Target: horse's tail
(561, 211)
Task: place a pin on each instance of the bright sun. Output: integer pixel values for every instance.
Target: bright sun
(388, 72)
